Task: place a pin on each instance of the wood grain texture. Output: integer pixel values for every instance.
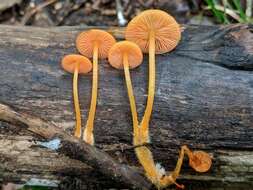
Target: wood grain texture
(75, 148)
(204, 96)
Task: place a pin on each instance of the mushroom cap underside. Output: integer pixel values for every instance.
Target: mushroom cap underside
(70, 62)
(166, 30)
(133, 52)
(86, 41)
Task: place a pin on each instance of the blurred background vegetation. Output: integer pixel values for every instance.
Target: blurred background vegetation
(118, 12)
(230, 11)
(46, 13)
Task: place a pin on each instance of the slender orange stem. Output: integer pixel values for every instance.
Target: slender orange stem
(88, 132)
(155, 175)
(141, 135)
(76, 103)
(143, 153)
(130, 91)
(145, 158)
(175, 174)
(151, 86)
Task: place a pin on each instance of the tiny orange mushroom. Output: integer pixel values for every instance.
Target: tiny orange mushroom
(76, 64)
(93, 44)
(200, 161)
(157, 32)
(125, 55)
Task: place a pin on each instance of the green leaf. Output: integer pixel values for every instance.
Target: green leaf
(219, 16)
(238, 6)
(35, 188)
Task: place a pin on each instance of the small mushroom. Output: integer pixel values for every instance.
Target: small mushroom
(93, 44)
(125, 55)
(156, 32)
(200, 161)
(76, 64)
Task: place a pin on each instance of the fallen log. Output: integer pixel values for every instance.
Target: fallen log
(75, 148)
(203, 99)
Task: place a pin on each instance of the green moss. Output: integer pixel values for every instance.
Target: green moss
(35, 188)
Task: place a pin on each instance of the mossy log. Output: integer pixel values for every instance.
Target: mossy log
(204, 99)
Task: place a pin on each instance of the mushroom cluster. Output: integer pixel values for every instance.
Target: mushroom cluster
(91, 44)
(153, 32)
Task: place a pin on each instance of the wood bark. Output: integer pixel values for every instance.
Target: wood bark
(75, 148)
(204, 96)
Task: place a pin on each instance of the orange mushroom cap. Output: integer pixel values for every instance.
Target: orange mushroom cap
(118, 50)
(166, 29)
(200, 161)
(86, 40)
(70, 62)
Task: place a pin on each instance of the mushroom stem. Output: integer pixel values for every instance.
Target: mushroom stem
(151, 86)
(130, 91)
(76, 103)
(143, 153)
(187, 151)
(153, 171)
(88, 132)
(145, 158)
(171, 179)
(142, 136)
(175, 173)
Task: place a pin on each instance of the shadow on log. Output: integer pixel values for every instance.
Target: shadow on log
(204, 99)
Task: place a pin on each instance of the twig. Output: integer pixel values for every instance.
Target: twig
(147, 3)
(121, 19)
(123, 149)
(249, 9)
(225, 2)
(38, 8)
(76, 149)
(74, 8)
(230, 12)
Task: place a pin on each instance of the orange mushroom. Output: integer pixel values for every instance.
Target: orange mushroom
(93, 43)
(76, 64)
(200, 161)
(125, 55)
(156, 32)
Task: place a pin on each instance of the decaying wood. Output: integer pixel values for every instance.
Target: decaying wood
(204, 97)
(76, 148)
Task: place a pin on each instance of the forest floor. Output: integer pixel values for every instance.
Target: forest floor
(96, 12)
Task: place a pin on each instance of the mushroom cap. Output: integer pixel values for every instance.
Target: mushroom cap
(166, 29)
(200, 161)
(118, 50)
(86, 40)
(70, 62)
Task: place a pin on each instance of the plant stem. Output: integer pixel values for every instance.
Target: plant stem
(249, 9)
(88, 132)
(239, 8)
(217, 14)
(76, 103)
(225, 3)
